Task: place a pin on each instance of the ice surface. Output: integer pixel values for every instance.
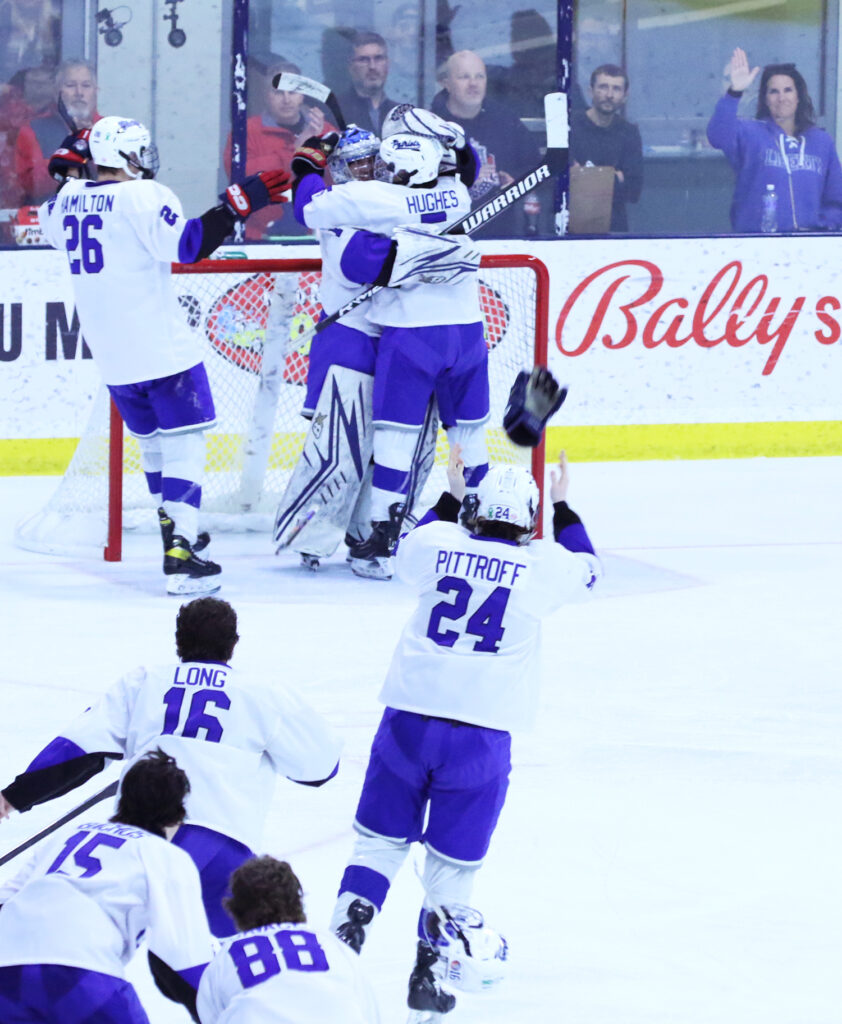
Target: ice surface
(670, 850)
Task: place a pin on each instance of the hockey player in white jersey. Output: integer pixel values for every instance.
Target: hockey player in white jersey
(464, 674)
(121, 233)
(332, 480)
(75, 914)
(232, 735)
(432, 333)
(279, 969)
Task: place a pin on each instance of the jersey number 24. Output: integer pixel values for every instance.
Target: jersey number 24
(486, 622)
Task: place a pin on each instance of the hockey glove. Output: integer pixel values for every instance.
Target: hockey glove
(257, 191)
(311, 157)
(532, 401)
(72, 159)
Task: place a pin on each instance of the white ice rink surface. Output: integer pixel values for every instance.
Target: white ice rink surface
(671, 848)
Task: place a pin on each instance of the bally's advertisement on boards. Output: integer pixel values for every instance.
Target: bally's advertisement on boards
(644, 331)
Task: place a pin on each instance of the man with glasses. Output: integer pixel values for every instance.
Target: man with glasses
(366, 104)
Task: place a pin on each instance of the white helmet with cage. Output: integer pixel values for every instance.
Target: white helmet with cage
(409, 159)
(472, 956)
(509, 494)
(355, 146)
(125, 144)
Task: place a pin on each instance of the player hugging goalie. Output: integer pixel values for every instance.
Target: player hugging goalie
(415, 346)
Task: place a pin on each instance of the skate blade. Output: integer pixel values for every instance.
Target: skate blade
(310, 562)
(379, 569)
(424, 1017)
(180, 584)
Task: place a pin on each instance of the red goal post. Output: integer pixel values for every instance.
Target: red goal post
(249, 314)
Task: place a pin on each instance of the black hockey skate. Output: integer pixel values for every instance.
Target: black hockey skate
(186, 573)
(352, 931)
(372, 558)
(426, 997)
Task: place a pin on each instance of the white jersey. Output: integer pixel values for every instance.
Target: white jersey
(230, 735)
(89, 895)
(286, 974)
(120, 239)
(380, 207)
(336, 289)
(471, 649)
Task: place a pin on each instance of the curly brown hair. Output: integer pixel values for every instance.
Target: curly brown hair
(265, 891)
(206, 630)
(152, 793)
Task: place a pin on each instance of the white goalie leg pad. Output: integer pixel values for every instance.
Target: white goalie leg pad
(316, 507)
(426, 258)
(359, 525)
(184, 461)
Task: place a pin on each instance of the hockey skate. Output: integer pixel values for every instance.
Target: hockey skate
(372, 559)
(352, 931)
(310, 562)
(426, 998)
(185, 572)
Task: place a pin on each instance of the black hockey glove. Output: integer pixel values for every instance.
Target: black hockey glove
(257, 191)
(311, 157)
(532, 401)
(72, 159)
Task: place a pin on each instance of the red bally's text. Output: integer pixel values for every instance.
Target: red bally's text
(751, 316)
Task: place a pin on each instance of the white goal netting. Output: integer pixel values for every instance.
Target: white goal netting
(251, 315)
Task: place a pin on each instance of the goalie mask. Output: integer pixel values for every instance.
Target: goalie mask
(473, 957)
(354, 155)
(509, 494)
(409, 159)
(125, 144)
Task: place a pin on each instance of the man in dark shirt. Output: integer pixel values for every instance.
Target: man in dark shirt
(506, 148)
(602, 137)
(367, 104)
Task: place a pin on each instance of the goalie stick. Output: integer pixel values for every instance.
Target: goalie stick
(288, 82)
(103, 794)
(555, 160)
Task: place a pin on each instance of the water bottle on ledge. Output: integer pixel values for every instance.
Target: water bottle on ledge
(769, 215)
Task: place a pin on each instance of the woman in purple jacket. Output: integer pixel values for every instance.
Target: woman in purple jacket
(782, 147)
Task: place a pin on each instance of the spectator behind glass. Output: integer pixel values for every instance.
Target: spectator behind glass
(505, 147)
(39, 138)
(29, 92)
(366, 103)
(601, 136)
(782, 147)
(271, 139)
(30, 35)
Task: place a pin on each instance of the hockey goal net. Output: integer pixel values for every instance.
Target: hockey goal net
(250, 315)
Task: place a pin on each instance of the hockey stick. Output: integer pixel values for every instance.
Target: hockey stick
(103, 794)
(287, 82)
(555, 160)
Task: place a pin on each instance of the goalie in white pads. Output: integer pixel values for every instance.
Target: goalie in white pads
(329, 489)
(121, 234)
(233, 735)
(75, 914)
(464, 674)
(432, 340)
(279, 969)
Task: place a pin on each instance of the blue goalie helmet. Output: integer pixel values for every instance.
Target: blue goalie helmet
(353, 158)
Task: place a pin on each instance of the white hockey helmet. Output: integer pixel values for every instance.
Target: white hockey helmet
(125, 144)
(409, 159)
(509, 494)
(473, 957)
(355, 144)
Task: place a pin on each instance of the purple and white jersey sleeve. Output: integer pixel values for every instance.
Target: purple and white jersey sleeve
(301, 745)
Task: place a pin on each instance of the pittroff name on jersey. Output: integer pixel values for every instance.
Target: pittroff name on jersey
(492, 570)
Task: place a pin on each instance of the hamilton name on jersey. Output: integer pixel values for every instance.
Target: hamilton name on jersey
(86, 202)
